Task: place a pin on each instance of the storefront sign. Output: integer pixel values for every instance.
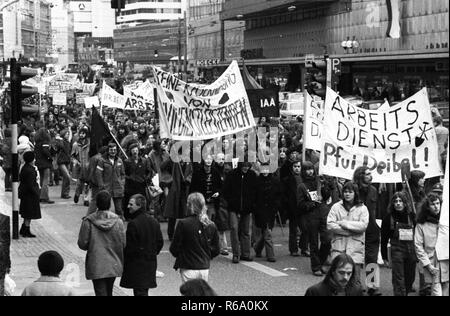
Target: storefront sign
(264, 103)
(198, 112)
(384, 140)
(208, 62)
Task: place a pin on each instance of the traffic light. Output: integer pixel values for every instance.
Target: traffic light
(19, 92)
(317, 77)
(118, 4)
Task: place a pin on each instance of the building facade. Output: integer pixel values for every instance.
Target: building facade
(151, 43)
(279, 34)
(205, 36)
(25, 31)
(144, 11)
(63, 36)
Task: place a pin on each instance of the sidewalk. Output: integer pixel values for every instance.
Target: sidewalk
(24, 254)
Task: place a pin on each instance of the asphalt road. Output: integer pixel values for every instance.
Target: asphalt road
(288, 276)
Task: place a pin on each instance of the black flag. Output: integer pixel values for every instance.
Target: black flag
(100, 133)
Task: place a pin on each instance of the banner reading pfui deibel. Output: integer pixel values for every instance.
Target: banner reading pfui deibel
(191, 111)
(383, 139)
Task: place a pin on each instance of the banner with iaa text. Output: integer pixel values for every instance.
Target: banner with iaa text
(383, 140)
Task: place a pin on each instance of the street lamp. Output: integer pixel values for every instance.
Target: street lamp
(350, 44)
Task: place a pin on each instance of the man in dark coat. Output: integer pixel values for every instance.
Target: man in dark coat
(144, 243)
(29, 194)
(138, 173)
(340, 280)
(240, 193)
(177, 194)
(267, 205)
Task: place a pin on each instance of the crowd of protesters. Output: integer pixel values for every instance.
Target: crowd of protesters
(214, 198)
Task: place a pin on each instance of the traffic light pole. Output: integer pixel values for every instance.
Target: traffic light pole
(15, 104)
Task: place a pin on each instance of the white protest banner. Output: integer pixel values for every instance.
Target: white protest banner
(382, 140)
(112, 99)
(197, 112)
(59, 98)
(140, 98)
(443, 233)
(91, 102)
(313, 122)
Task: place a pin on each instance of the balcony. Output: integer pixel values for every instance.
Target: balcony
(238, 9)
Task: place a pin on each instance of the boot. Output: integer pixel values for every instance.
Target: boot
(23, 230)
(28, 233)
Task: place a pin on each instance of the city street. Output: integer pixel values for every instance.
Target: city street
(58, 230)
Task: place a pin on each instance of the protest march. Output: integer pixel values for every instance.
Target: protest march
(354, 186)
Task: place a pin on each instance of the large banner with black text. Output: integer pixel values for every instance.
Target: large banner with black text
(190, 111)
(384, 139)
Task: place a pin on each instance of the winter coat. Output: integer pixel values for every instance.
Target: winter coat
(240, 191)
(267, 201)
(111, 177)
(176, 200)
(194, 245)
(102, 235)
(138, 173)
(156, 160)
(305, 203)
(290, 193)
(29, 193)
(352, 239)
(144, 243)
(63, 152)
(80, 152)
(369, 196)
(198, 183)
(43, 154)
(425, 239)
(48, 286)
(327, 288)
(390, 227)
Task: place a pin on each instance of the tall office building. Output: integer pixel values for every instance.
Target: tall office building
(144, 11)
(25, 30)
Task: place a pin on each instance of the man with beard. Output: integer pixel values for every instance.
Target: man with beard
(138, 173)
(340, 280)
(369, 195)
(80, 158)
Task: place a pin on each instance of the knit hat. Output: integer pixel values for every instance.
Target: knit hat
(437, 188)
(132, 146)
(29, 156)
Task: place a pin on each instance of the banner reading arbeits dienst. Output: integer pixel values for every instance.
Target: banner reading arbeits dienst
(383, 139)
(199, 112)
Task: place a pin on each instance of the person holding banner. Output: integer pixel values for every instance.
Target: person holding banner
(398, 229)
(435, 272)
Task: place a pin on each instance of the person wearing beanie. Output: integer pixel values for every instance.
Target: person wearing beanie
(102, 236)
(29, 194)
(50, 264)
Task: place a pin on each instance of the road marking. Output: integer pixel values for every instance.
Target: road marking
(261, 268)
